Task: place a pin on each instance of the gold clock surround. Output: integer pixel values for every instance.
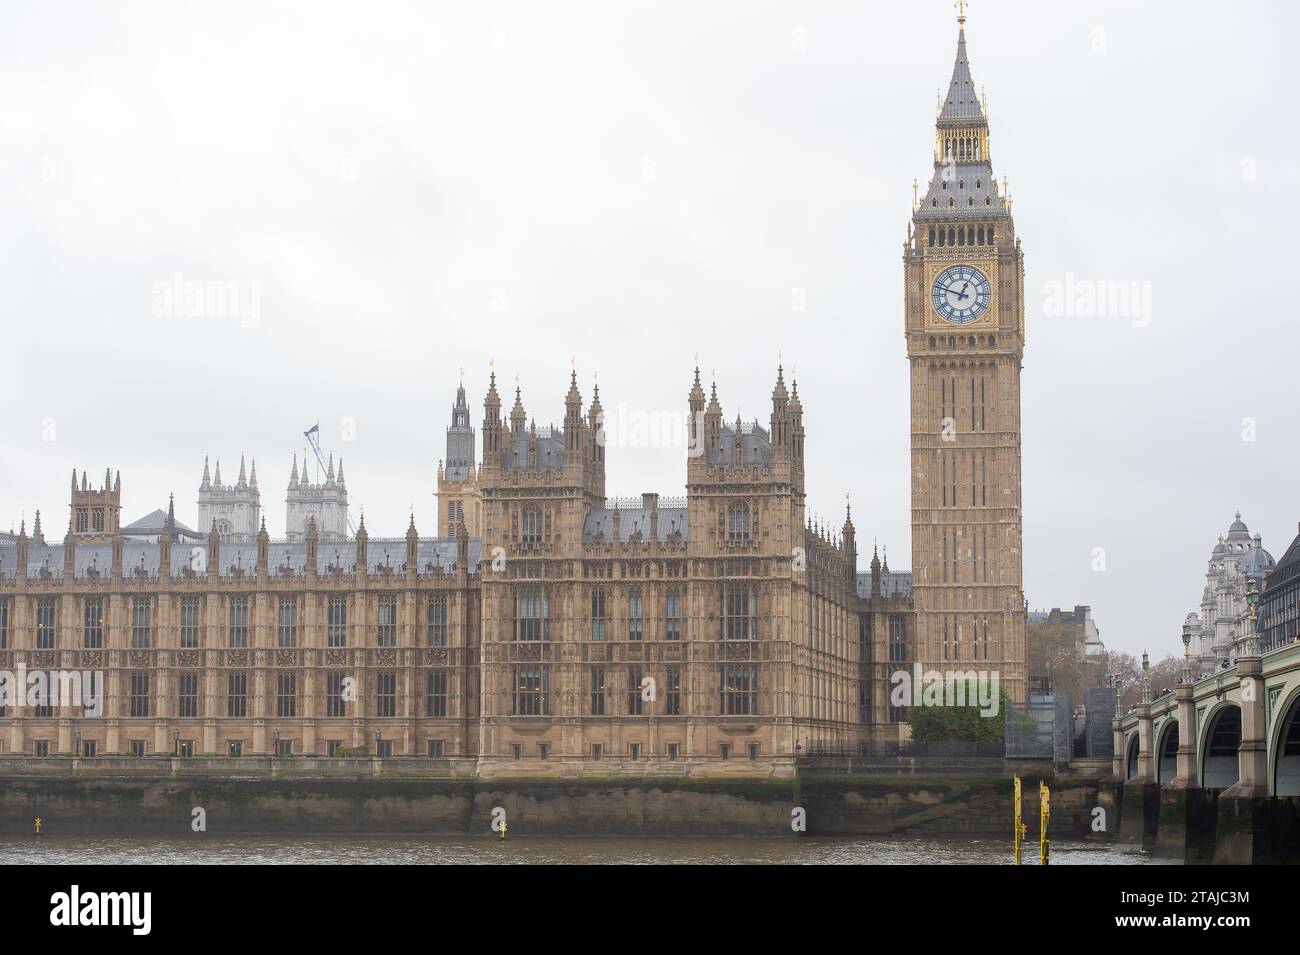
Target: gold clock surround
(988, 265)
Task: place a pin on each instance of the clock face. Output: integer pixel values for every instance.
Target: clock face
(961, 294)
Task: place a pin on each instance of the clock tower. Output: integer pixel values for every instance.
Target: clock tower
(965, 330)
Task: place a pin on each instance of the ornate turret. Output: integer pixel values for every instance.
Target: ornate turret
(363, 539)
(263, 544)
(412, 547)
(214, 551)
(573, 430)
(326, 501)
(313, 540)
(459, 497)
(492, 424)
(780, 421)
(96, 514)
(236, 508)
(596, 425)
(849, 536)
(165, 539)
(518, 417)
(22, 551)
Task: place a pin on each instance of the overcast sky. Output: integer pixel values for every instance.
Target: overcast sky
(410, 191)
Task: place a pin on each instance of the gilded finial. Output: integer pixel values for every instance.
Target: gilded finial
(961, 11)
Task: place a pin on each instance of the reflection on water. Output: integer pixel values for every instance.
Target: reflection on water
(522, 850)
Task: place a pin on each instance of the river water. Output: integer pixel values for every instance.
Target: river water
(522, 850)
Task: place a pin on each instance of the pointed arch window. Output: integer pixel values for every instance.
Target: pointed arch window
(532, 525)
(738, 523)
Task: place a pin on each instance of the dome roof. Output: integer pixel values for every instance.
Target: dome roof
(1238, 528)
(1258, 561)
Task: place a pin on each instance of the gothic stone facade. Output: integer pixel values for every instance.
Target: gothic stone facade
(719, 632)
(965, 331)
(549, 627)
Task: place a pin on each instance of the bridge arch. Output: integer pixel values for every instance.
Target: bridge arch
(1285, 747)
(1131, 756)
(1167, 751)
(1220, 741)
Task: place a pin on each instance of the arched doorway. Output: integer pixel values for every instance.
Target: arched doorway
(1222, 740)
(1286, 765)
(1131, 757)
(1167, 760)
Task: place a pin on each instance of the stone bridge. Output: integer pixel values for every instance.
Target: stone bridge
(1211, 770)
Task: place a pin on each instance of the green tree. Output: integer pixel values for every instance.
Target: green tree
(959, 724)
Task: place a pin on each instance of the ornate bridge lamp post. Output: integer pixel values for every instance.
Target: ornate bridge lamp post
(1184, 698)
(1145, 731)
(1117, 757)
(1252, 754)
(1252, 635)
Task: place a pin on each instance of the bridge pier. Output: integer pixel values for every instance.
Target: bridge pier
(1187, 820)
(1187, 814)
(1245, 816)
(1140, 804)
(1117, 757)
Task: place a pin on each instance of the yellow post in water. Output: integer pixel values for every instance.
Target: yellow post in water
(1018, 826)
(1044, 818)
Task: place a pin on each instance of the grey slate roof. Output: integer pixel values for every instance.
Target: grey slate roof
(892, 582)
(961, 105)
(755, 445)
(154, 523)
(599, 524)
(1257, 561)
(432, 553)
(550, 450)
(970, 191)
